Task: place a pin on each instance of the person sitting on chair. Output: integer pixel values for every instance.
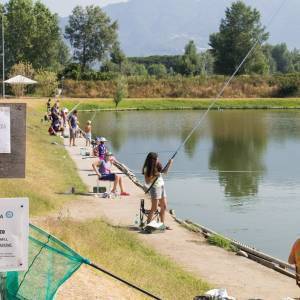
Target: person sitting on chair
(103, 170)
(294, 259)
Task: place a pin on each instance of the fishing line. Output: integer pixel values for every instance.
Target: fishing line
(218, 96)
(73, 109)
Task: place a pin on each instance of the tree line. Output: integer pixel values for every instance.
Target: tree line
(33, 37)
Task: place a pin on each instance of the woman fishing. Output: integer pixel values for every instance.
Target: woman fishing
(153, 170)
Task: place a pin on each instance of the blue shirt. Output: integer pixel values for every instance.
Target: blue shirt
(101, 151)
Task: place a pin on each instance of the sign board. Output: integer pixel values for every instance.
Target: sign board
(14, 234)
(4, 129)
(12, 140)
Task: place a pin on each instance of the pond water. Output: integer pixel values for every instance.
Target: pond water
(239, 174)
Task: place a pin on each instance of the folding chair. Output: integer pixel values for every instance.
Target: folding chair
(144, 214)
(107, 192)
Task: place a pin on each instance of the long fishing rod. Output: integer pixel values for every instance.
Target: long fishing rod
(216, 98)
(123, 280)
(73, 109)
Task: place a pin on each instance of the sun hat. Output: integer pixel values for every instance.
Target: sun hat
(102, 139)
(89, 122)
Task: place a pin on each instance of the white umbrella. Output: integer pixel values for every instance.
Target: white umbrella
(19, 79)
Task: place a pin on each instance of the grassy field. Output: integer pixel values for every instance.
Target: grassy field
(50, 171)
(177, 103)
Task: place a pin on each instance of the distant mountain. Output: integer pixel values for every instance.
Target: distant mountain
(148, 27)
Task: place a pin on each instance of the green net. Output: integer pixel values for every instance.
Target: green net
(51, 263)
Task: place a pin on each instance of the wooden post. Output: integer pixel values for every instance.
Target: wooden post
(12, 165)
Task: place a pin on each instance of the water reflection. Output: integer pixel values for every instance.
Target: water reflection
(239, 141)
(264, 206)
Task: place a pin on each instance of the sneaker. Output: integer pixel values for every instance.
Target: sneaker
(125, 194)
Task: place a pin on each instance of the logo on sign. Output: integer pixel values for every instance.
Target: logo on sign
(9, 214)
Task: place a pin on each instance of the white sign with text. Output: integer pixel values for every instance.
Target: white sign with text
(14, 234)
(5, 130)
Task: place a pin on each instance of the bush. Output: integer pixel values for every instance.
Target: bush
(221, 242)
(47, 83)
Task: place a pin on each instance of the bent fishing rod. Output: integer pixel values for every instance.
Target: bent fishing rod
(215, 99)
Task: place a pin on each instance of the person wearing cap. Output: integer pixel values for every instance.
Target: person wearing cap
(88, 133)
(102, 150)
(103, 170)
(294, 259)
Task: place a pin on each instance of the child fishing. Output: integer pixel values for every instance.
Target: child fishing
(153, 170)
(88, 133)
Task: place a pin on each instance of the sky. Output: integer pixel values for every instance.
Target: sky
(64, 7)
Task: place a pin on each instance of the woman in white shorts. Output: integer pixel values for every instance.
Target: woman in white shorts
(153, 170)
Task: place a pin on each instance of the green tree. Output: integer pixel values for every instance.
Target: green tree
(267, 50)
(238, 32)
(47, 83)
(91, 34)
(295, 58)
(32, 34)
(158, 70)
(282, 58)
(121, 91)
(191, 60)
(117, 55)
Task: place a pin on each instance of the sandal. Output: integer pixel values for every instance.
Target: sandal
(125, 194)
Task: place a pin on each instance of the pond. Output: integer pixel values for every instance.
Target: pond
(239, 174)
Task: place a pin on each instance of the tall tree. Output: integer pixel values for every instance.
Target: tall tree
(238, 32)
(32, 34)
(191, 62)
(282, 58)
(91, 34)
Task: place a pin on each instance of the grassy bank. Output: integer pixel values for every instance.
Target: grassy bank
(50, 171)
(177, 103)
(119, 251)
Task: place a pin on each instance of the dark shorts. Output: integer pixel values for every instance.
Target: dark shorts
(108, 177)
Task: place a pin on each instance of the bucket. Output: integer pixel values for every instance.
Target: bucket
(99, 189)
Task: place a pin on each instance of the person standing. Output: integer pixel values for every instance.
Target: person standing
(294, 259)
(153, 170)
(73, 119)
(49, 106)
(88, 133)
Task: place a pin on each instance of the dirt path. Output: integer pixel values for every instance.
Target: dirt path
(241, 277)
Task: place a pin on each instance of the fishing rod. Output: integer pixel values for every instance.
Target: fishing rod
(215, 99)
(187, 172)
(123, 281)
(69, 113)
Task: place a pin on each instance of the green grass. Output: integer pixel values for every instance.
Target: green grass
(119, 251)
(49, 171)
(177, 103)
(221, 242)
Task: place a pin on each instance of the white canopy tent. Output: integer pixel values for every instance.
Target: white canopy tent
(19, 79)
(18, 84)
